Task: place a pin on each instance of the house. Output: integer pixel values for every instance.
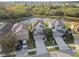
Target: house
(38, 27)
(74, 26)
(21, 31)
(59, 25)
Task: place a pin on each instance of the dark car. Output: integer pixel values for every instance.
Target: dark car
(19, 45)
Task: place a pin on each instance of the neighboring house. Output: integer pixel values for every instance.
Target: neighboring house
(78, 27)
(74, 26)
(59, 25)
(21, 31)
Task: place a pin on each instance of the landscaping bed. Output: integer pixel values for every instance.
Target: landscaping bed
(68, 36)
(31, 42)
(50, 41)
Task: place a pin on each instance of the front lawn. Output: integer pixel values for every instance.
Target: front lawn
(53, 49)
(32, 53)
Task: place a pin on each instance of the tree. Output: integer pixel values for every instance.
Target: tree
(59, 13)
(36, 11)
(16, 10)
(8, 44)
(3, 14)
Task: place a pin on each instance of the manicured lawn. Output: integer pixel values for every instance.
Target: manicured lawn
(17, 20)
(10, 55)
(25, 18)
(53, 49)
(53, 17)
(32, 53)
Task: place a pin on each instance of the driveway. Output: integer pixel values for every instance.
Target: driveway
(22, 53)
(41, 50)
(63, 47)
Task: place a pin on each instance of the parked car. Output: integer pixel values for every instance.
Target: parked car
(24, 45)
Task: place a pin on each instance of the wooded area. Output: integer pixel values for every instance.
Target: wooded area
(17, 11)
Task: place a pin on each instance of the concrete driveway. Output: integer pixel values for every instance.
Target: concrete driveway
(63, 47)
(41, 50)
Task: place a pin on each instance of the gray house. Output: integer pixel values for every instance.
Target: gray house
(38, 27)
(59, 25)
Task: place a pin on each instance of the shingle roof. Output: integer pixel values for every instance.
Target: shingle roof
(38, 22)
(17, 27)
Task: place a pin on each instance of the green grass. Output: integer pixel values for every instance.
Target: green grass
(41, 16)
(53, 17)
(32, 53)
(31, 44)
(17, 20)
(77, 54)
(72, 47)
(71, 18)
(49, 37)
(53, 49)
(67, 26)
(10, 55)
(25, 18)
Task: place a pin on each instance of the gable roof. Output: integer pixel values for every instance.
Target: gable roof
(38, 23)
(17, 26)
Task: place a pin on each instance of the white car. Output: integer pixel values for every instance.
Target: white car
(24, 46)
